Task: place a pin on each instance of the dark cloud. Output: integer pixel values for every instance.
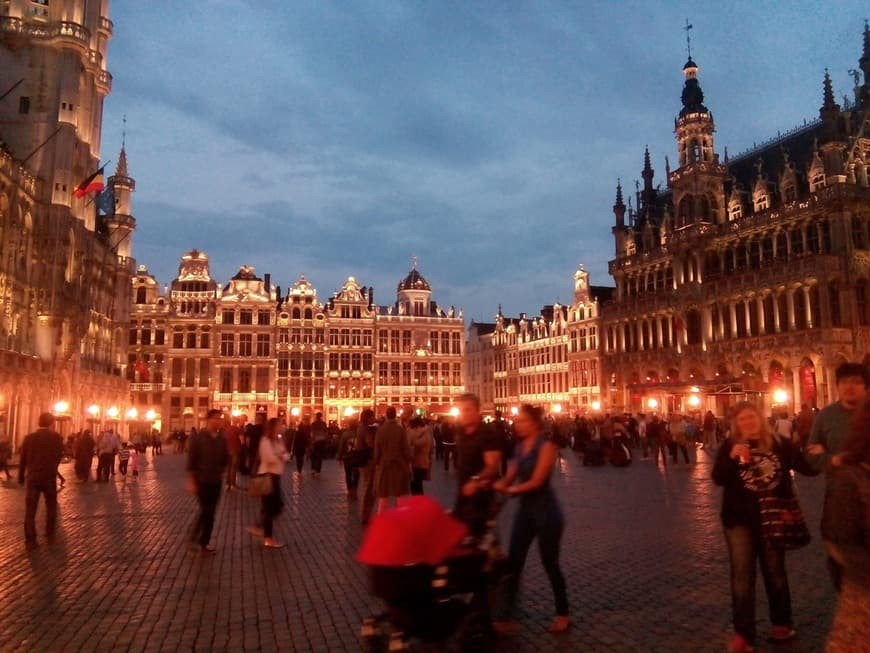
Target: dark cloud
(337, 138)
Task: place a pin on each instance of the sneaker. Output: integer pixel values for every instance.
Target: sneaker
(739, 645)
(781, 634)
(560, 624)
(269, 543)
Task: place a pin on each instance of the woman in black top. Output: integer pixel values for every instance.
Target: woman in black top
(752, 463)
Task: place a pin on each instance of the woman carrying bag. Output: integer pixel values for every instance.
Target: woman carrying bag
(761, 518)
(271, 457)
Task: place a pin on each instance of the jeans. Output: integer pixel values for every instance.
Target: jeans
(677, 448)
(34, 489)
(272, 505)
(418, 475)
(317, 457)
(208, 495)
(744, 548)
(351, 477)
(232, 467)
(122, 467)
(299, 455)
(548, 529)
(449, 452)
(659, 447)
(104, 466)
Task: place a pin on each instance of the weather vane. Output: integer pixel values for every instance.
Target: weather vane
(688, 38)
(414, 262)
(124, 131)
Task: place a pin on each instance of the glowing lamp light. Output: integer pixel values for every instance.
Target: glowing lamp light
(515, 410)
(235, 412)
(694, 401)
(652, 403)
(93, 410)
(294, 411)
(113, 412)
(596, 405)
(780, 396)
(132, 413)
(454, 412)
(61, 408)
(349, 411)
(150, 415)
(557, 408)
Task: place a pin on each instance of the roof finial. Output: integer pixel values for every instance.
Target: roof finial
(828, 90)
(413, 262)
(619, 192)
(124, 132)
(688, 27)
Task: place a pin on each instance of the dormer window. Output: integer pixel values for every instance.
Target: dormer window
(817, 182)
(789, 194)
(735, 211)
(762, 202)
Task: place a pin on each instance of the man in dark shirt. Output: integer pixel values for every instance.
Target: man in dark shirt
(206, 461)
(478, 462)
(41, 453)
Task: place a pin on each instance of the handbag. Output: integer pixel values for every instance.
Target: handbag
(358, 457)
(782, 522)
(260, 485)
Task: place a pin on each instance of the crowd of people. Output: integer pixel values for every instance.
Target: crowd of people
(384, 460)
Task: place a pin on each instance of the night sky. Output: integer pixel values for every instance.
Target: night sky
(485, 138)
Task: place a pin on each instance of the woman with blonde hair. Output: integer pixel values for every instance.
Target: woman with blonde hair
(761, 520)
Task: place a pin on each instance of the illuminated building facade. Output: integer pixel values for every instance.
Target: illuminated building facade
(749, 276)
(247, 349)
(64, 272)
(551, 360)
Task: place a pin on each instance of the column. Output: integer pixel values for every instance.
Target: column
(706, 327)
(789, 300)
(807, 306)
(698, 276)
(775, 299)
(732, 308)
(659, 331)
(620, 338)
(796, 387)
(638, 325)
(746, 312)
(759, 306)
(670, 323)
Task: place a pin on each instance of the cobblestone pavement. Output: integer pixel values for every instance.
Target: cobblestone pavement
(643, 554)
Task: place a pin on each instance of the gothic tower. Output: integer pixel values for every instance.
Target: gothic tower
(699, 181)
(121, 224)
(53, 65)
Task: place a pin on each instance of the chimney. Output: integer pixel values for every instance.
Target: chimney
(267, 282)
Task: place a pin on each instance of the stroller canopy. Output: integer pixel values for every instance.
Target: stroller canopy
(417, 531)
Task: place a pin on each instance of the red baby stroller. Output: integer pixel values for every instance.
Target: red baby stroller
(433, 581)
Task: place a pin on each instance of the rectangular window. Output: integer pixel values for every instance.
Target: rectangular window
(263, 344)
(159, 337)
(433, 341)
(382, 340)
(244, 385)
(264, 318)
(457, 344)
(356, 362)
(204, 341)
(283, 363)
(406, 341)
(24, 104)
(133, 337)
(367, 338)
(345, 361)
(204, 372)
(355, 338)
(283, 336)
(228, 345)
(228, 316)
(394, 340)
(226, 380)
(177, 340)
(394, 374)
(262, 380)
(190, 373)
(146, 336)
(246, 344)
(191, 340)
(367, 363)
(383, 373)
(246, 317)
(406, 373)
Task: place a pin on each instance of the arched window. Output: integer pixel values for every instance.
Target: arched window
(687, 211)
(140, 295)
(782, 245)
(297, 313)
(834, 303)
(693, 327)
(735, 210)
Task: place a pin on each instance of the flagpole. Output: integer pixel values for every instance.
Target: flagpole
(11, 88)
(41, 145)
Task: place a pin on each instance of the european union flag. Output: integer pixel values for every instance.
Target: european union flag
(106, 201)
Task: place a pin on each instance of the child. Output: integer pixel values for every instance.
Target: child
(124, 458)
(134, 463)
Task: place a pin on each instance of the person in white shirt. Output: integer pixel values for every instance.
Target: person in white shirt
(784, 426)
(272, 455)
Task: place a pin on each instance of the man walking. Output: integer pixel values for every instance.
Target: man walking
(206, 461)
(41, 453)
(478, 452)
(319, 434)
(106, 445)
(831, 427)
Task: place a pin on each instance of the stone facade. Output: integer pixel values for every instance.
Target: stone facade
(748, 277)
(64, 272)
(248, 349)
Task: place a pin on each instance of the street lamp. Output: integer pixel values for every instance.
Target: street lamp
(93, 411)
(454, 412)
(596, 405)
(151, 415)
(112, 413)
(61, 409)
(132, 413)
(515, 411)
(694, 401)
(652, 403)
(780, 396)
(294, 411)
(557, 408)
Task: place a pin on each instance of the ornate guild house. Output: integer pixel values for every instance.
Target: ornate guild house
(748, 275)
(248, 349)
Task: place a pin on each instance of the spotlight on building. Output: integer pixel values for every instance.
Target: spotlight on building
(557, 408)
(454, 412)
(349, 411)
(113, 412)
(596, 405)
(694, 401)
(515, 410)
(235, 412)
(652, 403)
(132, 413)
(94, 411)
(151, 415)
(780, 396)
(61, 408)
(294, 411)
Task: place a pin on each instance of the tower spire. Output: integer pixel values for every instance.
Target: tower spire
(829, 102)
(688, 29)
(619, 205)
(619, 201)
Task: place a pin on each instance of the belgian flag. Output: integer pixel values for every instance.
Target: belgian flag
(92, 184)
